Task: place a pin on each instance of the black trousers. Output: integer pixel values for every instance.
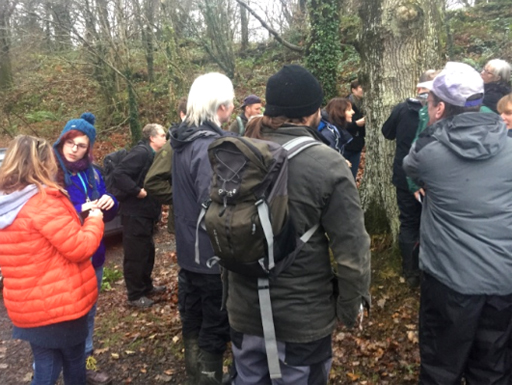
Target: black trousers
(464, 336)
(139, 255)
(200, 301)
(409, 236)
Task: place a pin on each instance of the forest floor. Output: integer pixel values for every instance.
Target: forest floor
(145, 347)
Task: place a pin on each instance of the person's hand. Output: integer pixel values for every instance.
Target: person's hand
(88, 206)
(361, 122)
(419, 195)
(96, 213)
(142, 194)
(348, 164)
(105, 202)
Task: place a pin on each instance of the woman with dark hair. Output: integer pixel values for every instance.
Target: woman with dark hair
(340, 112)
(86, 188)
(49, 282)
(333, 126)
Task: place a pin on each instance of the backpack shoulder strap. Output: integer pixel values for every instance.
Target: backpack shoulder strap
(241, 126)
(269, 333)
(299, 144)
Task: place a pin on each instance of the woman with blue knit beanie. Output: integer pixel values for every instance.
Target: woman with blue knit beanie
(86, 188)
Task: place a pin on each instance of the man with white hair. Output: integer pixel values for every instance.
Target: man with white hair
(205, 326)
(462, 161)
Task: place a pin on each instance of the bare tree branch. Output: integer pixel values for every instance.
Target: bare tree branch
(289, 45)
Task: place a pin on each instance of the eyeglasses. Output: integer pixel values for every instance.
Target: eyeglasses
(486, 71)
(80, 146)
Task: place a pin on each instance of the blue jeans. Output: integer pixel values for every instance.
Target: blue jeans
(353, 157)
(49, 363)
(90, 316)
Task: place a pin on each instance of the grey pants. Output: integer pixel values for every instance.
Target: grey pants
(251, 362)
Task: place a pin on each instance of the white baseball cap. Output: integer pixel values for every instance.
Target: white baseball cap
(457, 83)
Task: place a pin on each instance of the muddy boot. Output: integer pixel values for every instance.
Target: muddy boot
(210, 366)
(191, 360)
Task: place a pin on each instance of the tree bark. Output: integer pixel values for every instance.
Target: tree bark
(244, 27)
(400, 40)
(6, 77)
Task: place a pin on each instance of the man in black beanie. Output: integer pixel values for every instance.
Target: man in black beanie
(321, 191)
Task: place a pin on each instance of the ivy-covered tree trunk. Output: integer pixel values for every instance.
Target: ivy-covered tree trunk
(324, 48)
(400, 40)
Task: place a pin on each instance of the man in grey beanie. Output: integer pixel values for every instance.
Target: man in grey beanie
(321, 191)
(462, 161)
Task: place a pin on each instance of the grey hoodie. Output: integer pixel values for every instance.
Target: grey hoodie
(464, 162)
(11, 204)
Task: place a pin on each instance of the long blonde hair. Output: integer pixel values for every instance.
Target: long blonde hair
(28, 160)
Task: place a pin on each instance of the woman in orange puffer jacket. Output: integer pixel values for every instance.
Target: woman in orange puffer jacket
(49, 281)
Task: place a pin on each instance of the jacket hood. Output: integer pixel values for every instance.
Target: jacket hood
(185, 134)
(472, 135)
(11, 204)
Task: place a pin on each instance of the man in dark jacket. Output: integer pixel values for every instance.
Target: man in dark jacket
(139, 213)
(204, 324)
(356, 128)
(401, 126)
(321, 191)
(250, 107)
(463, 162)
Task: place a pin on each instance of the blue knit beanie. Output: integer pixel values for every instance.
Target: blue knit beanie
(85, 125)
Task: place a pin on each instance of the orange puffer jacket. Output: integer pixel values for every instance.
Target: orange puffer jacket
(45, 260)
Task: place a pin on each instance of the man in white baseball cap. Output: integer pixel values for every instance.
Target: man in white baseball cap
(463, 162)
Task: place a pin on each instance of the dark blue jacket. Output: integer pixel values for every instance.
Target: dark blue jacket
(336, 137)
(78, 195)
(191, 177)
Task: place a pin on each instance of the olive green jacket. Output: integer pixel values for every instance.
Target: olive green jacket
(321, 189)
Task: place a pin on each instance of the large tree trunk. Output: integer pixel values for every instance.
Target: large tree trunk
(399, 41)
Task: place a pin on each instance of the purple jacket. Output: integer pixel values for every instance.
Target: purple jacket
(77, 195)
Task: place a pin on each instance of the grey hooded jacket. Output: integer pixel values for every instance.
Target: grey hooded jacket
(463, 162)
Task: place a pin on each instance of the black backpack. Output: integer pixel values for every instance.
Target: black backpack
(247, 217)
(109, 164)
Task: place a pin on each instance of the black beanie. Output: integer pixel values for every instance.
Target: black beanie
(292, 92)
